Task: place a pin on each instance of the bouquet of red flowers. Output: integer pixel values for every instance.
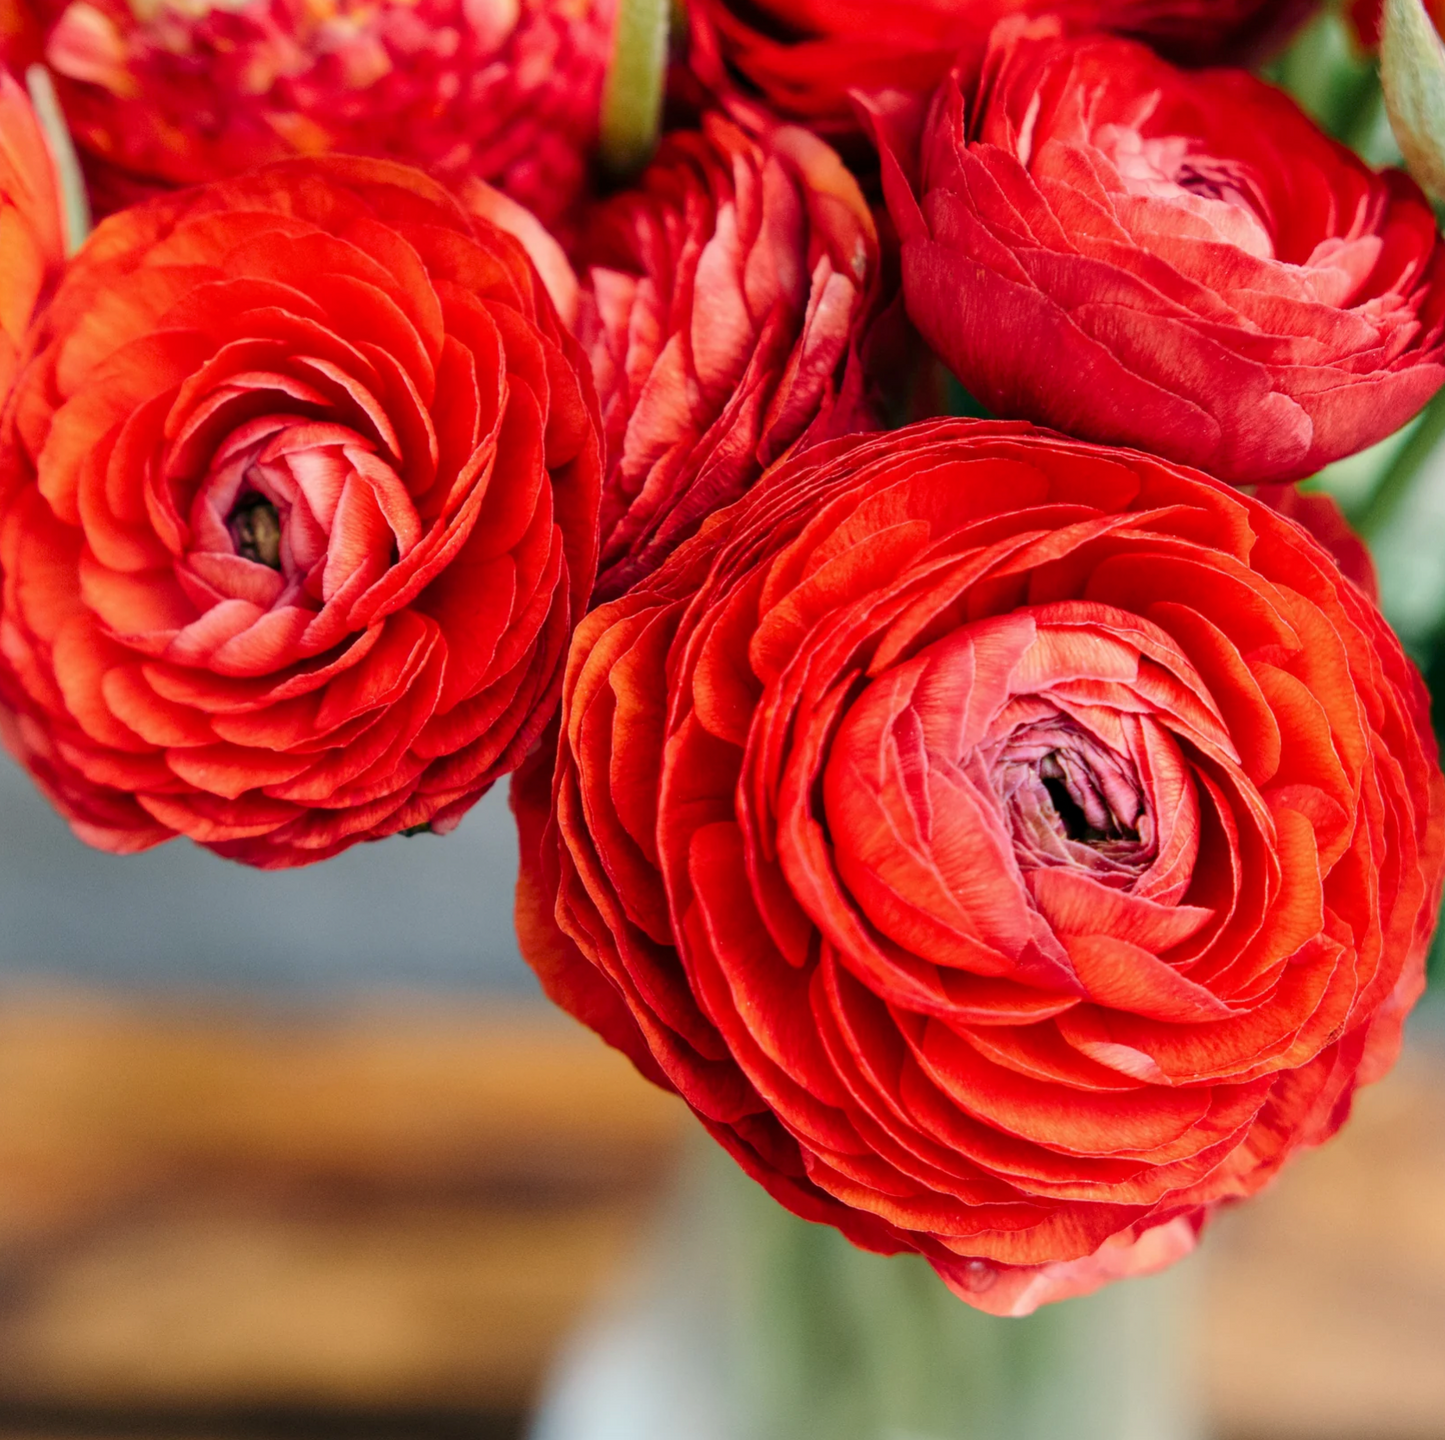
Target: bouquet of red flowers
(957, 746)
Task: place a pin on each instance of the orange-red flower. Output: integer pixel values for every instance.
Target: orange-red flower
(1012, 849)
(1100, 242)
(302, 481)
(32, 242)
(803, 57)
(174, 93)
(722, 303)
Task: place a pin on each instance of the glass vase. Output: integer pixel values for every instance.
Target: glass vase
(739, 1321)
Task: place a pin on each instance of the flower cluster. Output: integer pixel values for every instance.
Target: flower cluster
(1012, 843)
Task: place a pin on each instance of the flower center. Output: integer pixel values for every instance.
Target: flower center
(1078, 823)
(256, 529)
(1070, 799)
(1216, 191)
(1213, 180)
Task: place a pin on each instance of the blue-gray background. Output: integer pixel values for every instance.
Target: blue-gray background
(430, 913)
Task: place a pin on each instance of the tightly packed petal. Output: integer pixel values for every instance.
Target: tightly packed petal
(722, 303)
(802, 57)
(1104, 244)
(1011, 849)
(32, 243)
(301, 487)
(175, 93)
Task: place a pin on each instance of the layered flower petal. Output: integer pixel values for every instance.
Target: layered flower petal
(722, 302)
(1012, 849)
(507, 91)
(1102, 243)
(305, 477)
(32, 238)
(802, 58)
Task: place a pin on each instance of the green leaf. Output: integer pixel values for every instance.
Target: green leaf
(632, 98)
(1333, 81)
(1412, 68)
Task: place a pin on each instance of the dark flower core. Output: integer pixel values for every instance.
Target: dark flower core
(256, 528)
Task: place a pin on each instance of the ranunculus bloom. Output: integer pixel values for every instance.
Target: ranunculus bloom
(802, 57)
(32, 242)
(175, 93)
(302, 483)
(1184, 263)
(722, 302)
(1011, 849)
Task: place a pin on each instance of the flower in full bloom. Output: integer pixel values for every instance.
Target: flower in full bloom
(301, 480)
(1012, 849)
(1138, 255)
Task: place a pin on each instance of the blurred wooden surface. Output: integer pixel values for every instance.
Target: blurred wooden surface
(392, 1209)
(1325, 1297)
(400, 1211)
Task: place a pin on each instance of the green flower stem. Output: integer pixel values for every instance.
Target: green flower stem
(73, 198)
(1397, 479)
(632, 97)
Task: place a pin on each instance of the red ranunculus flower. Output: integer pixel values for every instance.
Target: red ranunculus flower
(722, 302)
(32, 242)
(301, 488)
(802, 57)
(1104, 244)
(1010, 848)
(174, 93)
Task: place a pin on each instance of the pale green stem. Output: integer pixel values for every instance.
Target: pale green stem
(632, 97)
(73, 199)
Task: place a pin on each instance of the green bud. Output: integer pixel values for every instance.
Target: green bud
(1412, 69)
